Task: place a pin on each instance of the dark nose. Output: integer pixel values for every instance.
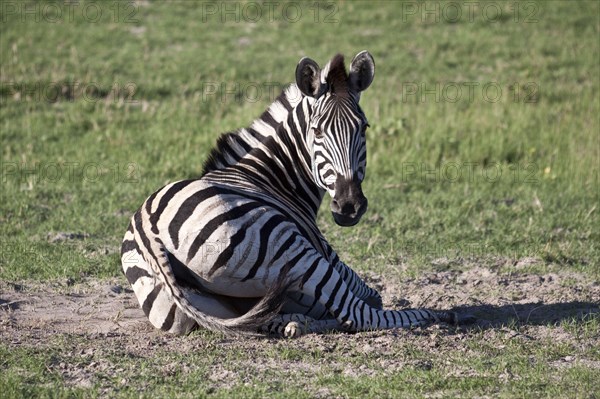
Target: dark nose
(349, 199)
(346, 207)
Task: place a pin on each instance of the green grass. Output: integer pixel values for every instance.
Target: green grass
(83, 160)
(516, 368)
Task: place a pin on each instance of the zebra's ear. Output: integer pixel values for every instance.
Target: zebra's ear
(362, 71)
(308, 77)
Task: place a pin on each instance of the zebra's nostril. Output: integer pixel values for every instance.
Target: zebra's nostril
(335, 206)
(348, 208)
(343, 207)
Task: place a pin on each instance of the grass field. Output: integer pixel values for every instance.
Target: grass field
(483, 160)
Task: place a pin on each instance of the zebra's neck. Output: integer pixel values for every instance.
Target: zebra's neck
(272, 154)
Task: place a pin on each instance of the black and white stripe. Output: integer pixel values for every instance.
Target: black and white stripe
(239, 249)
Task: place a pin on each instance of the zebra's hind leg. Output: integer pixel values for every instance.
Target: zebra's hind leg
(294, 325)
(154, 299)
(151, 294)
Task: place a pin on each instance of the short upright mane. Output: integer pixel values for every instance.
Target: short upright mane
(221, 151)
(337, 77)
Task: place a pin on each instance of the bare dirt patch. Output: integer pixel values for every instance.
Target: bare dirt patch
(109, 306)
(100, 320)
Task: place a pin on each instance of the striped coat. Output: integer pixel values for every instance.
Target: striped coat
(238, 249)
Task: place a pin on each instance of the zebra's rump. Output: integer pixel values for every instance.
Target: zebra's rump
(229, 240)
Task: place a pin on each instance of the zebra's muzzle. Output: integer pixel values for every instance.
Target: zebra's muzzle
(349, 203)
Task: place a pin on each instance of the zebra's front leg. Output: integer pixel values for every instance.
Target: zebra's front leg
(295, 325)
(328, 287)
(356, 284)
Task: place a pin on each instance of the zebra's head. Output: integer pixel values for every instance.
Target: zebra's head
(336, 131)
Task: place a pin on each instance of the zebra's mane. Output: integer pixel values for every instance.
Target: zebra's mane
(232, 146)
(336, 77)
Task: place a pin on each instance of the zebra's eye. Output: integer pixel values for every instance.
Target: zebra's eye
(318, 132)
(363, 131)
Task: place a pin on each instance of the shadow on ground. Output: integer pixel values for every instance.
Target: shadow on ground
(493, 316)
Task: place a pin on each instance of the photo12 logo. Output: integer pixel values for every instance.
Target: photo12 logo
(61, 12)
(452, 172)
(445, 251)
(469, 11)
(52, 92)
(91, 172)
(453, 92)
(269, 11)
(237, 92)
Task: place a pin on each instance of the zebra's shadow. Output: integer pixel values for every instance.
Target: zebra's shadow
(539, 313)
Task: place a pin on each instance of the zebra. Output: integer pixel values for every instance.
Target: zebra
(238, 250)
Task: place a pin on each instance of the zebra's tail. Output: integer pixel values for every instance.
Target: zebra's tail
(247, 324)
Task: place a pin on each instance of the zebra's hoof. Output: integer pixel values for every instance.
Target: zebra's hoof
(456, 318)
(293, 329)
(348, 325)
(447, 317)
